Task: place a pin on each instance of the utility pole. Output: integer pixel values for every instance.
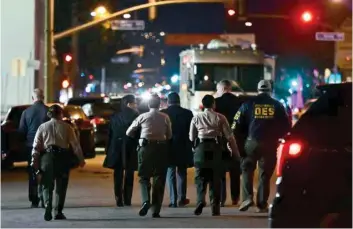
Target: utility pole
(74, 46)
(48, 49)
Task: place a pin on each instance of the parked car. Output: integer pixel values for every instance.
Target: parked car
(80, 101)
(314, 165)
(74, 115)
(99, 115)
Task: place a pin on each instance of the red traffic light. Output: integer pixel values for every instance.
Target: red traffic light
(307, 16)
(231, 12)
(65, 84)
(68, 58)
(91, 77)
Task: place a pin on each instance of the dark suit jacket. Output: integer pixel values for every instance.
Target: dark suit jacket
(31, 119)
(181, 147)
(121, 149)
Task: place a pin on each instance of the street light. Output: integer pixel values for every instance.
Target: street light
(127, 16)
(248, 24)
(162, 34)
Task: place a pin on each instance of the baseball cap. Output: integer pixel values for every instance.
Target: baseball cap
(264, 85)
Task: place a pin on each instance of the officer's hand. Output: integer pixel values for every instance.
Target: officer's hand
(35, 165)
(82, 164)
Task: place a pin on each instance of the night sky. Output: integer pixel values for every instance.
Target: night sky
(292, 41)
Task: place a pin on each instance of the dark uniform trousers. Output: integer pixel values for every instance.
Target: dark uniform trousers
(265, 154)
(34, 189)
(55, 172)
(209, 169)
(234, 175)
(123, 185)
(153, 163)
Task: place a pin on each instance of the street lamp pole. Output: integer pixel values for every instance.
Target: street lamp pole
(48, 49)
(128, 10)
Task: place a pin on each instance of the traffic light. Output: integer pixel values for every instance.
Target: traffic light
(68, 58)
(65, 84)
(67, 64)
(307, 16)
(231, 12)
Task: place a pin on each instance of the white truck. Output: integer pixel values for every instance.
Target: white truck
(201, 69)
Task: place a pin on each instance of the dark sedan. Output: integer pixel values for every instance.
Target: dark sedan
(15, 142)
(314, 167)
(99, 115)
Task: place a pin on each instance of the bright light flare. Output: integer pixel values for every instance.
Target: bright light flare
(175, 78)
(206, 78)
(68, 58)
(307, 16)
(127, 16)
(231, 12)
(248, 24)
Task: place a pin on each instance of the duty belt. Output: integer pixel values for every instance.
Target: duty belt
(144, 141)
(55, 149)
(216, 140)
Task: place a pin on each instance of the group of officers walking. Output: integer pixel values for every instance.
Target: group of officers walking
(162, 145)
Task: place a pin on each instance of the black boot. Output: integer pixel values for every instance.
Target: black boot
(199, 208)
(216, 210)
(144, 209)
(47, 215)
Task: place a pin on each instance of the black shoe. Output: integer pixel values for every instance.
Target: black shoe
(144, 209)
(223, 204)
(216, 210)
(246, 205)
(199, 208)
(172, 205)
(183, 203)
(60, 216)
(119, 204)
(156, 215)
(127, 204)
(34, 205)
(47, 215)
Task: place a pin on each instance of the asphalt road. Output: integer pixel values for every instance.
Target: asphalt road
(90, 203)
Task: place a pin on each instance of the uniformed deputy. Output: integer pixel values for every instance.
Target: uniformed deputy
(208, 127)
(156, 131)
(52, 160)
(264, 120)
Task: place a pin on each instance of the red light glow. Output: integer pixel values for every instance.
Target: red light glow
(294, 149)
(231, 12)
(68, 58)
(307, 16)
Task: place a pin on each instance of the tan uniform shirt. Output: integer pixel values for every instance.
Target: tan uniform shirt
(59, 133)
(154, 125)
(209, 124)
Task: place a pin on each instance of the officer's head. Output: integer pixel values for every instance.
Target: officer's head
(224, 86)
(56, 112)
(37, 95)
(173, 98)
(129, 101)
(208, 102)
(154, 102)
(264, 86)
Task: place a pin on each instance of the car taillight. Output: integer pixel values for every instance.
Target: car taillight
(294, 149)
(290, 149)
(86, 124)
(97, 120)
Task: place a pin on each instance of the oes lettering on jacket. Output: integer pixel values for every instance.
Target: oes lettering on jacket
(264, 111)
